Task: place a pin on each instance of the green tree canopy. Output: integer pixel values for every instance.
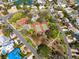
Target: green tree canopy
(7, 32)
(8, 6)
(53, 30)
(5, 0)
(43, 50)
(17, 16)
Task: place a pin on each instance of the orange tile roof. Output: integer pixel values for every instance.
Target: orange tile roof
(22, 21)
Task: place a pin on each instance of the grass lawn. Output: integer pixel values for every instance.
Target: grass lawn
(29, 41)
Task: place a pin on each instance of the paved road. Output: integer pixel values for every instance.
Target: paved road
(32, 49)
(23, 40)
(65, 40)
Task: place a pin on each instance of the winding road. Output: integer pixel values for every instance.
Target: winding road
(21, 37)
(30, 47)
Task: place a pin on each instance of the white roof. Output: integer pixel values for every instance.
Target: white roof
(41, 1)
(13, 36)
(2, 39)
(74, 50)
(8, 48)
(12, 10)
(77, 20)
(69, 10)
(30, 57)
(50, 0)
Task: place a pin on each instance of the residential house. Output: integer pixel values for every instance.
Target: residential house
(27, 2)
(76, 35)
(31, 56)
(60, 14)
(1, 2)
(5, 43)
(3, 39)
(77, 1)
(17, 41)
(25, 50)
(7, 47)
(34, 18)
(13, 36)
(11, 0)
(42, 2)
(77, 20)
(13, 9)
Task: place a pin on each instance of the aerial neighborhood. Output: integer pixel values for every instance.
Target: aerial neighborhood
(39, 29)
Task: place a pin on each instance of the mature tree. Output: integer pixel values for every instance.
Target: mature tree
(17, 16)
(24, 32)
(5, 0)
(37, 5)
(56, 55)
(43, 50)
(8, 6)
(53, 32)
(18, 7)
(2, 26)
(29, 2)
(7, 32)
(5, 12)
(40, 20)
(31, 31)
(43, 13)
(17, 2)
(1, 7)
